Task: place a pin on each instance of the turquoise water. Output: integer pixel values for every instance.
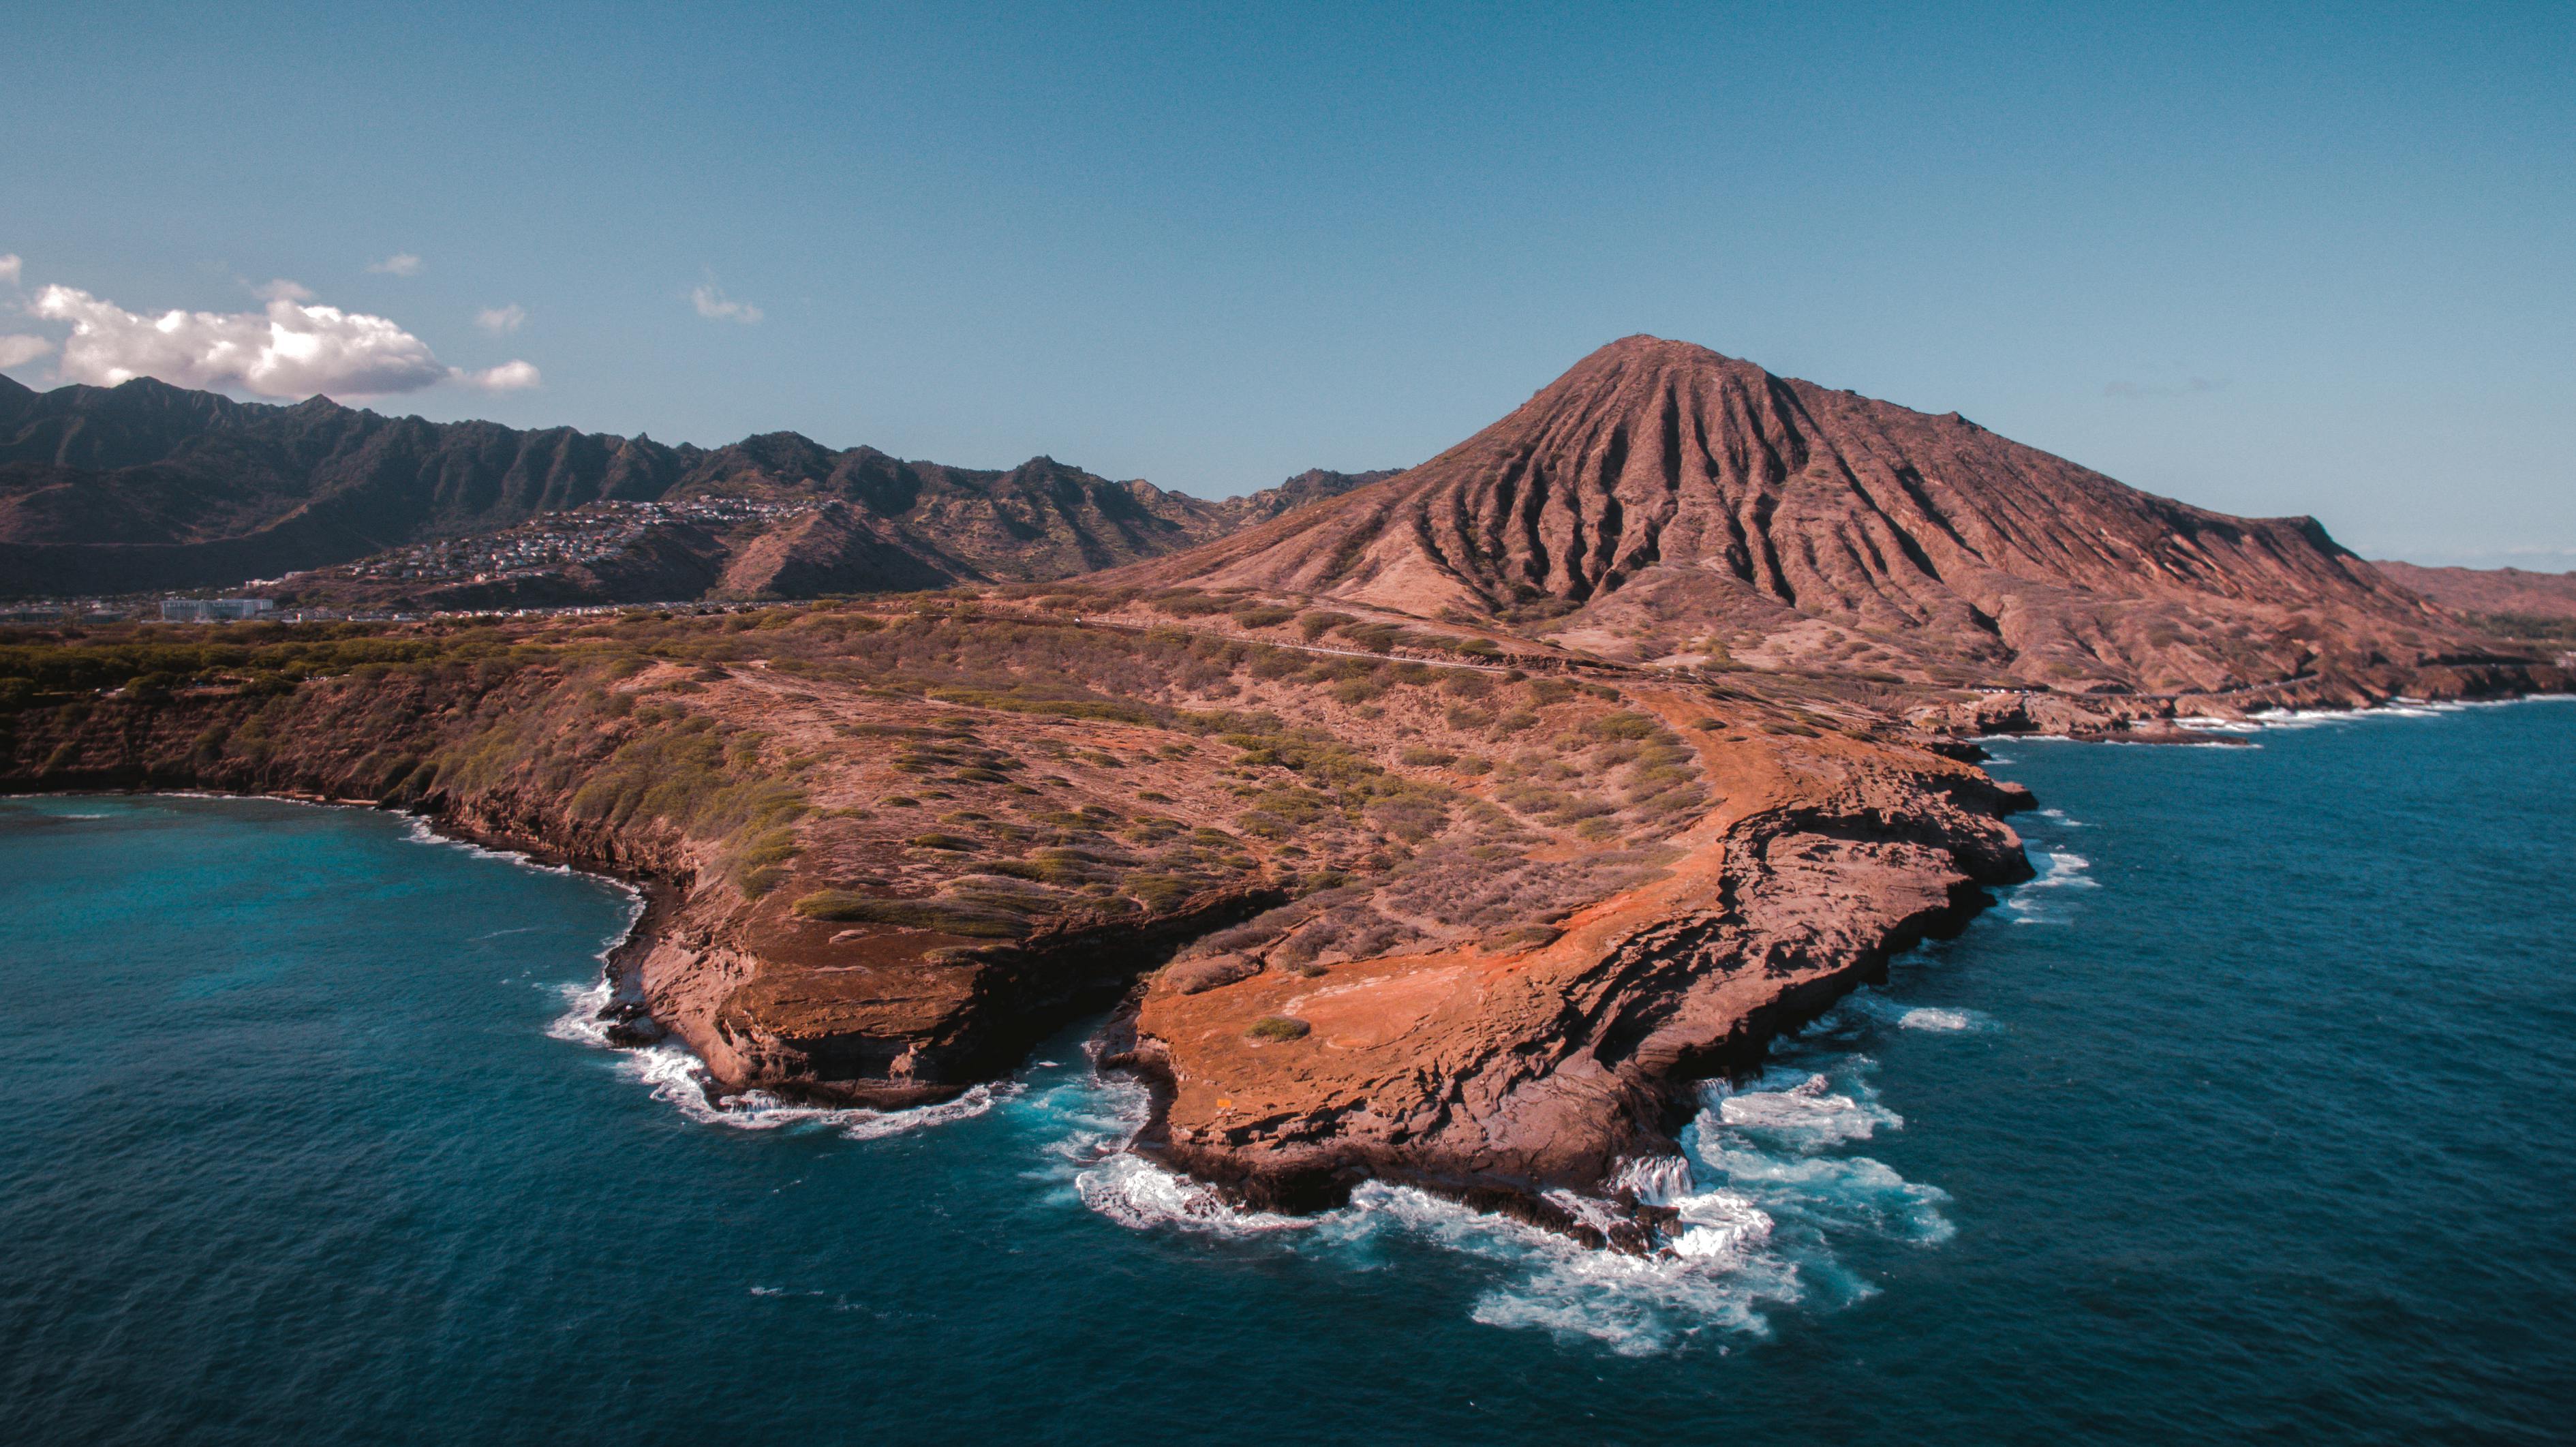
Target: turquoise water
(2246, 1121)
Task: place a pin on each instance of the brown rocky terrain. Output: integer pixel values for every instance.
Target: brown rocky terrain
(147, 486)
(889, 850)
(1663, 502)
(1552, 1051)
(1444, 829)
(2488, 591)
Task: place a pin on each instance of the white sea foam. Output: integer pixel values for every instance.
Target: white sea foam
(2066, 870)
(676, 1077)
(580, 1022)
(1868, 1007)
(1713, 1276)
(1655, 1180)
(1720, 1226)
(1633, 1305)
(1798, 1109)
(2307, 718)
(2027, 903)
(1142, 1196)
(679, 1079)
(1763, 1196)
(417, 828)
(1849, 1194)
(1763, 1202)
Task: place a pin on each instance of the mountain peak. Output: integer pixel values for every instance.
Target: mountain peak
(1663, 499)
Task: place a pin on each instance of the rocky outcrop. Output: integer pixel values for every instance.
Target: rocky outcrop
(1502, 1070)
(1500, 898)
(858, 893)
(771, 1000)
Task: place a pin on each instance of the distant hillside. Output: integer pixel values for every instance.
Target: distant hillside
(2495, 592)
(1661, 501)
(147, 486)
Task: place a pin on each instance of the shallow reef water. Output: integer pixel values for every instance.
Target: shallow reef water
(2243, 1120)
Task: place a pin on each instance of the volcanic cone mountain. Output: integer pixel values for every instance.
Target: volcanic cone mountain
(1661, 501)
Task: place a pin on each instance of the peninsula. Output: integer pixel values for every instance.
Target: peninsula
(1441, 827)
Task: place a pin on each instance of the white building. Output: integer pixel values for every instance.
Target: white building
(214, 610)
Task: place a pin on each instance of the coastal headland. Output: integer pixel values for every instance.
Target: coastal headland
(1442, 830)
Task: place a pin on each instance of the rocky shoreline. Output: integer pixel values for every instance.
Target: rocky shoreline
(1391, 957)
(1501, 1077)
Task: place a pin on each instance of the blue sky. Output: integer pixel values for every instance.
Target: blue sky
(2319, 263)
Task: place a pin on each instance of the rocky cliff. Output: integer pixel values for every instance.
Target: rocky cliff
(1441, 922)
(1555, 1052)
(1442, 829)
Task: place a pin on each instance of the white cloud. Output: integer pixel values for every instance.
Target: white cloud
(18, 351)
(711, 304)
(401, 263)
(292, 349)
(501, 320)
(507, 377)
(9, 266)
(282, 290)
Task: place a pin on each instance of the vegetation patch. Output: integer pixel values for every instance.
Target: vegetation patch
(945, 917)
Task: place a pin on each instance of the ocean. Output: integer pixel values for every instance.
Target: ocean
(2246, 1120)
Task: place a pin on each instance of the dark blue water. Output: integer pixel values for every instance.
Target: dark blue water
(2249, 1121)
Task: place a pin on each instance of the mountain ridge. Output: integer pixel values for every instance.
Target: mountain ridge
(2491, 591)
(1662, 501)
(146, 485)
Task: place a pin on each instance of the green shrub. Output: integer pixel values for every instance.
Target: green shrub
(1157, 891)
(843, 906)
(1278, 1027)
(1372, 637)
(1623, 726)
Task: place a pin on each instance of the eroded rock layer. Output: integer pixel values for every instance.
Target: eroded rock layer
(1663, 501)
(1520, 1063)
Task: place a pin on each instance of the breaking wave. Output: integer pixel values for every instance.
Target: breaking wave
(1869, 1007)
(1767, 1194)
(2066, 870)
(676, 1077)
(2306, 718)
(680, 1080)
(2039, 900)
(418, 830)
